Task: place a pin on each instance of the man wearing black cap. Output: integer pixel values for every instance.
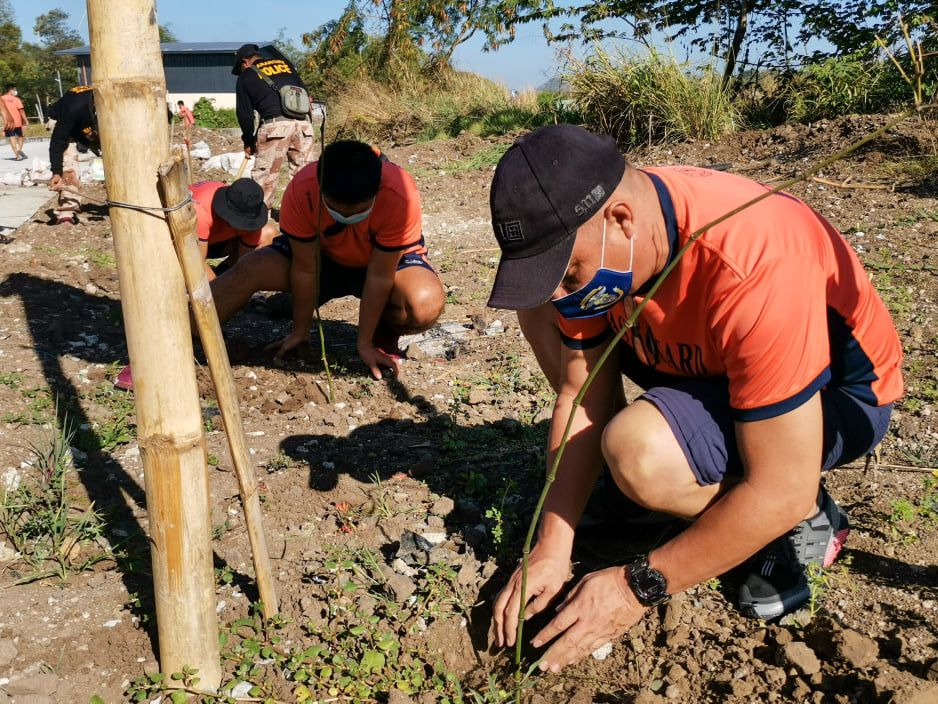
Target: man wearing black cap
(278, 136)
(765, 354)
(232, 220)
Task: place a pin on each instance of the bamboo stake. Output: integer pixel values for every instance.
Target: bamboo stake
(130, 98)
(182, 224)
(191, 178)
(847, 183)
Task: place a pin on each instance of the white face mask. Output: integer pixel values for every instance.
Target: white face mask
(16, 92)
(353, 218)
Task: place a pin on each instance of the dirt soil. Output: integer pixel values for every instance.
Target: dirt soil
(418, 491)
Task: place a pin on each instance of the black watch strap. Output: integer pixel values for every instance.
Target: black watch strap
(649, 585)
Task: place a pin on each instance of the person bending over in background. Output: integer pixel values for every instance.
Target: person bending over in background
(185, 114)
(364, 214)
(232, 220)
(766, 356)
(76, 124)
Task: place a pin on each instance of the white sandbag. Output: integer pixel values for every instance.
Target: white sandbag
(37, 174)
(200, 150)
(230, 162)
(12, 178)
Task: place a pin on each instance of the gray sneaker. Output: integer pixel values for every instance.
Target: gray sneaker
(23, 155)
(777, 583)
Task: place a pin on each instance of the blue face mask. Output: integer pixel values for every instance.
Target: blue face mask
(350, 219)
(604, 290)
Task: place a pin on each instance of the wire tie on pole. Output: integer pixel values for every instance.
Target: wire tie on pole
(144, 208)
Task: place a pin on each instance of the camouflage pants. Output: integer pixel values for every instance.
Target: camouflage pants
(293, 139)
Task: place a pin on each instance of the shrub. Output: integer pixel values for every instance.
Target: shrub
(207, 116)
(652, 98)
(840, 86)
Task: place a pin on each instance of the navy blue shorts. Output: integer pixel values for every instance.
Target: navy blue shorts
(699, 413)
(338, 280)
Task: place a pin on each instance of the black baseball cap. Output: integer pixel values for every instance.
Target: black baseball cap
(548, 183)
(245, 52)
(241, 205)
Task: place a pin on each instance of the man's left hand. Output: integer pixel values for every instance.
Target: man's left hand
(596, 611)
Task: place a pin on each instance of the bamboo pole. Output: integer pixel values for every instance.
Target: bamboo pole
(130, 99)
(183, 224)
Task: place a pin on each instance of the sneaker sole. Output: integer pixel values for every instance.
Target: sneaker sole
(768, 610)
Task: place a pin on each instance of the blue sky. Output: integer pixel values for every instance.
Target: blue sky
(526, 62)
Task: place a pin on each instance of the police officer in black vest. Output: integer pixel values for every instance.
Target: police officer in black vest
(278, 136)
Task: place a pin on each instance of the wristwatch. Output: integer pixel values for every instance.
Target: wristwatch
(649, 584)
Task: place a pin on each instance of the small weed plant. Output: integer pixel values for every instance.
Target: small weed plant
(355, 650)
(503, 517)
(52, 533)
(912, 516)
(40, 404)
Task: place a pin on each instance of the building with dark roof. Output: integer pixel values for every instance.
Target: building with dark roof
(193, 69)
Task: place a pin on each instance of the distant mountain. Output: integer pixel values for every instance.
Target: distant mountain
(553, 85)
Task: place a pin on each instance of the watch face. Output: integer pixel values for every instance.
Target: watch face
(649, 584)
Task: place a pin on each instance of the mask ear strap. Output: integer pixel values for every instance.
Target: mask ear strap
(631, 252)
(602, 256)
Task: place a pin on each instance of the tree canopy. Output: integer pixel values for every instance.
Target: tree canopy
(34, 68)
(742, 33)
(388, 38)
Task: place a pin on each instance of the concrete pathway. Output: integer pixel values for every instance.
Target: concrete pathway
(19, 203)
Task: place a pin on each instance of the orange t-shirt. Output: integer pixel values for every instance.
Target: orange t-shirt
(773, 298)
(14, 105)
(395, 222)
(212, 228)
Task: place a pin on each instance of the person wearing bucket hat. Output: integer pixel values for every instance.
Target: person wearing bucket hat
(765, 356)
(279, 137)
(232, 221)
(359, 233)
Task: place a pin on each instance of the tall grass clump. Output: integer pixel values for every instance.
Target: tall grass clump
(649, 99)
(844, 85)
(438, 104)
